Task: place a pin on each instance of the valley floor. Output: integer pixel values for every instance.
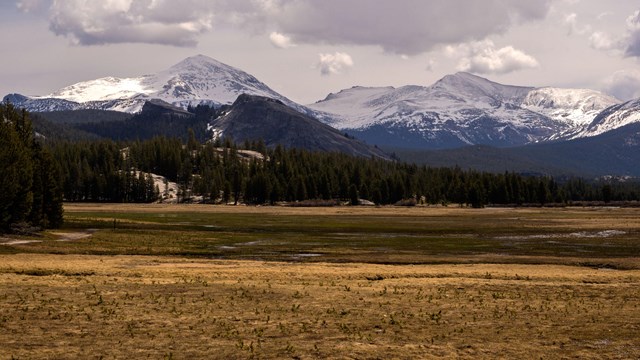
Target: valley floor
(168, 281)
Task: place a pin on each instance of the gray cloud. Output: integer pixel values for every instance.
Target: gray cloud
(402, 26)
(627, 44)
(633, 25)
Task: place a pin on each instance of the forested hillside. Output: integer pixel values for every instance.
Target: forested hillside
(221, 173)
(30, 191)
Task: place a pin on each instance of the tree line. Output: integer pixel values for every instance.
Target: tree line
(224, 172)
(30, 184)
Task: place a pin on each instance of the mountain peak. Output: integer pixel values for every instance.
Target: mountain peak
(476, 87)
(462, 78)
(200, 63)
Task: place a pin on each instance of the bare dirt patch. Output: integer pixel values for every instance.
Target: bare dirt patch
(73, 236)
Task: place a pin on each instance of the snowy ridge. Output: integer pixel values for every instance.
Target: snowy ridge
(462, 106)
(612, 118)
(576, 106)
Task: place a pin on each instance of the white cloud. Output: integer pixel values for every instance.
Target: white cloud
(280, 40)
(131, 21)
(482, 57)
(336, 63)
(601, 41)
(571, 21)
(624, 84)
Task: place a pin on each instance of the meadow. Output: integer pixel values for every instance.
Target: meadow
(174, 281)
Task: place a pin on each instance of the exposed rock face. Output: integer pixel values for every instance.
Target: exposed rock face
(255, 117)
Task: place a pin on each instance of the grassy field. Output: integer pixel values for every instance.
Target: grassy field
(167, 281)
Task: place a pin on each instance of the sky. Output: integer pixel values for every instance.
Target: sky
(306, 49)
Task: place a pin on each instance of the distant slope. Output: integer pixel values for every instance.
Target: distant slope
(614, 117)
(83, 116)
(157, 118)
(616, 152)
(255, 117)
(52, 131)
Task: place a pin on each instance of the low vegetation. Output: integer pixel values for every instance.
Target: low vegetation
(337, 282)
(81, 306)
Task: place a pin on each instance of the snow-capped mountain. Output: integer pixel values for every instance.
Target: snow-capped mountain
(457, 110)
(462, 109)
(195, 80)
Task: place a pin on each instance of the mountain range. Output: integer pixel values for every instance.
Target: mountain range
(458, 110)
(464, 109)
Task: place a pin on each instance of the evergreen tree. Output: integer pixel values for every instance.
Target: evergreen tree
(30, 188)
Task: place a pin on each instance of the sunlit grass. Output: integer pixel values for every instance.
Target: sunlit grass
(376, 235)
(75, 306)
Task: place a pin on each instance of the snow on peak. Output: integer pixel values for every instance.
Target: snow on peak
(578, 107)
(200, 63)
(103, 89)
(612, 118)
(457, 98)
(478, 87)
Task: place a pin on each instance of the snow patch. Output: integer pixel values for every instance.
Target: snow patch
(581, 234)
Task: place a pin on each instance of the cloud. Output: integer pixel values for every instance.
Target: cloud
(571, 21)
(401, 26)
(627, 44)
(601, 41)
(336, 63)
(31, 6)
(430, 65)
(131, 21)
(483, 58)
(624, 84)
(633, 27)
(280, 40)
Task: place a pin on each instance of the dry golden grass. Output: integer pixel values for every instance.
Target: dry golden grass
(74, 306)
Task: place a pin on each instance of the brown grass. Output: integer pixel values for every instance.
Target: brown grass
(74, 306)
